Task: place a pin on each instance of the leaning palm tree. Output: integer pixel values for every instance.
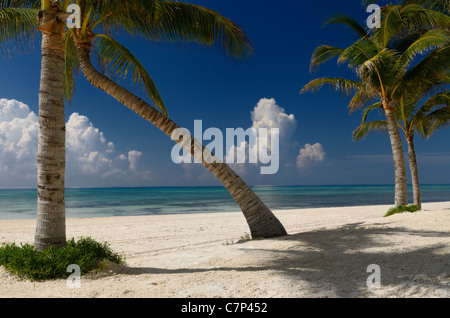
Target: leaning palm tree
(160, 21)
(425, 120)
(152, 20)
(382, 60)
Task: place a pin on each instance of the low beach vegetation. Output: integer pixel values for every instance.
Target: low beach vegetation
(402, 208)
(27, 262)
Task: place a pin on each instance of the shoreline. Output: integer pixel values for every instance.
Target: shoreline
(326, 254)
(387, 206)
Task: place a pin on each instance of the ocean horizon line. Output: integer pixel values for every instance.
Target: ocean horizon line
(219, 186)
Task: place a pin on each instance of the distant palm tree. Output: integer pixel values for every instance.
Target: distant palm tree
(161, 21)
(383, 61)
(425, 120)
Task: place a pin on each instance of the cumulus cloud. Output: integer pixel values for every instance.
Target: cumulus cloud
(91, 159)
(267, 114)
(18, 143)
(280, 127)
(310, 155)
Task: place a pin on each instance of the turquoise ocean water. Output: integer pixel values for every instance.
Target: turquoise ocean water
(21, 203)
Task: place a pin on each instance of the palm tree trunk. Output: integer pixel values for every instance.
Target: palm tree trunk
(50, 219)
(414, 171)
(260, 219)
(401, 195)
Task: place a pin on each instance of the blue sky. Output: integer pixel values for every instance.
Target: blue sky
(199, 83)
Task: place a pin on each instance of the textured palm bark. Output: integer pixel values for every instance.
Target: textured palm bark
(260, 219)
(50, 219)
(414, 172)
(401, 195)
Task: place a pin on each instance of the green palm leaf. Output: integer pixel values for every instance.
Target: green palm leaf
(72, 66)
(362, 97)
(428, 75)
(427, 42)
(348, 21)
(172, 21)
(440, 119)
(364, 129)
(17, 29)
(322, 54)
(369, 109)
(438, 100)
(359, 52)
(391, 23)
(118, 62)
(339, 84)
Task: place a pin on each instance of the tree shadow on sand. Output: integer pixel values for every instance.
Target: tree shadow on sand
(336, 261)
(333, 262)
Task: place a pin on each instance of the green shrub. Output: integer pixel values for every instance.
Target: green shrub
(402, 208)
(26, 262)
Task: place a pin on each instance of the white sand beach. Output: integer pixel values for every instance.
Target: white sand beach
(326, 254)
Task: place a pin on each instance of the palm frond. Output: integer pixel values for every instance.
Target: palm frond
(376, 106)
(363, 97)
(17, 29)
(428, 75)
(72, 66)
(339, 84)
(349, 22)
(172, 21)
(380, 71)
(440, 118)
(420, 16)
(30, 4)
(364, 129)
(118, 62)
(391, 23)
(430, 40)
(322, 54)
(438, 100)
(358, 53)
(437, 5)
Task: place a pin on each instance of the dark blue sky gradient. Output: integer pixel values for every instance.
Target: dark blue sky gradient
(200, 83)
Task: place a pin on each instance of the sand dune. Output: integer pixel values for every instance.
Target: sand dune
(326, 254)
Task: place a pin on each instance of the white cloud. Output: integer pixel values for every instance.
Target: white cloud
(309, 155)
(91, 159)
(18, 143)
(133, 158)
(267, 114)
(280, 127)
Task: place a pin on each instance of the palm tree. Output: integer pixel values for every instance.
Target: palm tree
(382, 60)
(18, 33)
(425, 120)
(161, 21)
(51, 156)
(158, 21)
